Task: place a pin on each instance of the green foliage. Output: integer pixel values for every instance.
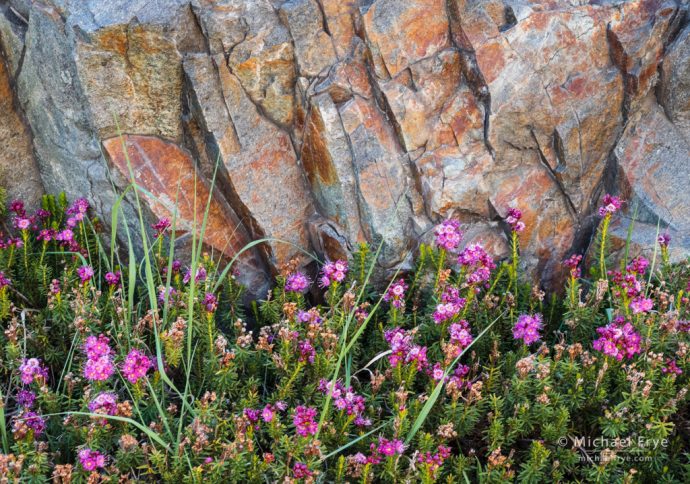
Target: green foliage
(428, 380)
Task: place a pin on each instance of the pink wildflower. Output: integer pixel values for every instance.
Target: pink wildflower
(210, 303)
(31, 420)
(85, 273)
(25, 398)
(610, 205)
(17, 206)
(664, 240)
(105, 403)
(671, 368)
(402, 349)
(33, 371)
(390, 448)
(97, 346)
(307, 353)
(301, 471)
(136, 365)
(479, 264)
(91, 460)
(304, 421)
(344, 399)
(513, 219)
(460, 335)
(4, 281)
(396, 294)
(527, 328)
(297, 282)
(641, 305)
(573, 263)
(113, 278)
(99, 369)
(618, 339)
(200, 275)
(161, 226)
(448, 235)
(22, 223)
(450, 306)
(333, 272)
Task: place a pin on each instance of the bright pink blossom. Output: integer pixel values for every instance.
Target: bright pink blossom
(448, 235)
(91, 460)
(527, 328)
(136, 366)
(304, 421)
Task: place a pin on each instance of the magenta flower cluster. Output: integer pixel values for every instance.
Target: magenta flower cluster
(113, 278)
(573, 263)
(301, 471)
(630, 286)
(31, 420)
(26, 398)
(478, 264)
(297, 282)
(403, 351)
(309, 317)
(303, 419)
(91, 460)
(32, 370)
(161, 226)
(307, 352)
(77, 211)
(210, 302)
(104, 403)
(450, 306)
(460, 335)
(199, 276)
(395, 295)
(610, 205)
(514, 220)
(527, 328)
(618, 339)
(136, 366)
(333, 272)
(388, 448)
(448, 235)
(4, 280)
(434, 461)
(347, 400)
(664, 240)
(99, 364)
(85, 273)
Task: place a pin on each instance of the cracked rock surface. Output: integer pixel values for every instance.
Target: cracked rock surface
(332, 122)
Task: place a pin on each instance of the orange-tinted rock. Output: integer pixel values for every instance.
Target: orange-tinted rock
(340, 18)
(267, 185)
(327, 161)
(177, 191)
(258, 48)
(402, 33)
(132, 77)
(637, 36)
(314, 49)
(386, 193)
(18, 169)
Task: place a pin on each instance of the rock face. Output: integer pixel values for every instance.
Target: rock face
(325, 123)
(18, 168)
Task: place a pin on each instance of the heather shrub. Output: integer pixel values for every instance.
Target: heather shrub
(119, 368)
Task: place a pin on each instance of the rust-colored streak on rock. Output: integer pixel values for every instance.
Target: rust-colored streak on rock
(316, 160)
(168, 172)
